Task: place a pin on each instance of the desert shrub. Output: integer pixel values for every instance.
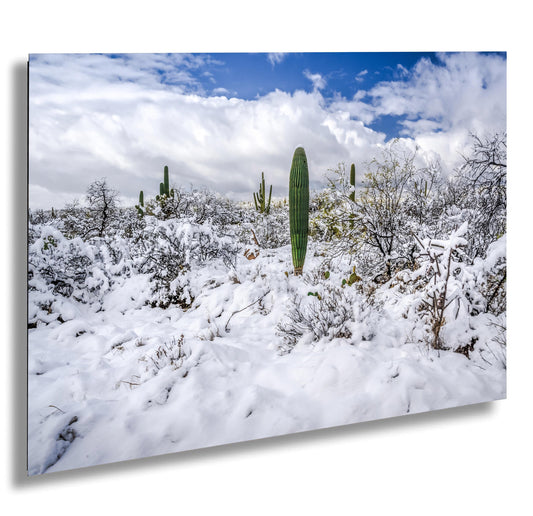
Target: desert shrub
(169, 354)
(99, 216)
(271, 230)
(40, 216)
(167, 250)
(73, 220)
(130, 224)
(196, 205)
(373, 225)
(102, 209)
(449, 298)
(494, 351)
(326, 312)
(71, 268)
(482, 191)
(490, 277)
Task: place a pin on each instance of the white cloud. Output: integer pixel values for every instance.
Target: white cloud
(404, 72)
(467, 90)
(220, 91)
(361, 76)
(319, 83)
(218, 142)
(93, 117)
(275, 58)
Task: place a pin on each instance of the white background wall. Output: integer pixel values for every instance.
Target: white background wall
(472, 460)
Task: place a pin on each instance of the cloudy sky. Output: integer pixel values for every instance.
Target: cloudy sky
(219, 120)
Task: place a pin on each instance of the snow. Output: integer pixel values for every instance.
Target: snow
(117, 381)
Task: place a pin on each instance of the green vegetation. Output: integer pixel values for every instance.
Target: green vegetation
(299, 208)
(260, 198)
(352, 182)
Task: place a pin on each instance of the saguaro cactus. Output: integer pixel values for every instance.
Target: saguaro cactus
(260, 198)
(299, 208)
(352, 181)
(140, 206)
(352, 193)
(166, 184)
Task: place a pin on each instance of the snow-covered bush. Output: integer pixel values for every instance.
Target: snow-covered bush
(494, 350)
(491, 276)
(326, 312)
(372, 224)
(169, 354)
(167, 250)
(443, 279)
(40, 216)
(102, 209)
(99, 216)
(483, 183)
(70, 268)
(196, 205)
(266, 230)
(449, 299)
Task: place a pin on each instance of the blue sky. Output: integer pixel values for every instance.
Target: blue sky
(218, 120)
(252, 75)
(248, 76)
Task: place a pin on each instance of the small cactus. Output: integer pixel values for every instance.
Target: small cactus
(418, 188)
(352, 182)
(353, 278)
(352, 193)
(260, 198)
(140, 206)
(299, 208)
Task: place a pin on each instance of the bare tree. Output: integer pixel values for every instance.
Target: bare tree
(486, 166)
(103, 207)
(483, 178)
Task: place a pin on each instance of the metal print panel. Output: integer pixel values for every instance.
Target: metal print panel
(225, 247)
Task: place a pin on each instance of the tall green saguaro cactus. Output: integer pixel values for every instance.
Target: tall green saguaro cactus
(352, 182)
(166, 183)
(260, 198)
(140, 206)
(352, 194)
(299, 208)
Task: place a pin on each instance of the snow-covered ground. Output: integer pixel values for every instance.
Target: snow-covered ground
(125, 380)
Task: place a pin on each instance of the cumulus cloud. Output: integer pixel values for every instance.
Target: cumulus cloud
(217, 142)
(124, 118)
(463, 90)
(99, 117)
